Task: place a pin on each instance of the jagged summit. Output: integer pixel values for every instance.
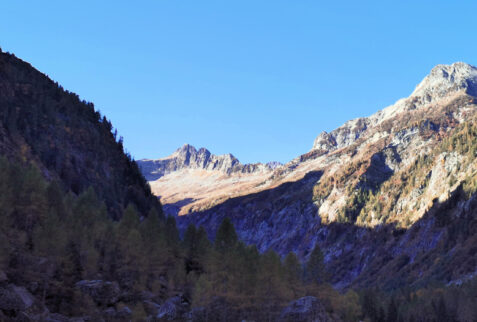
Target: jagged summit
(188, 157)
(187, 148)
(443, 81)
(202, 155)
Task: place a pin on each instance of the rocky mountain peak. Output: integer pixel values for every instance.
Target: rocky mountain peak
(186, 148)
(342, 136)
(273, 165)
(444, 79)
(188, 157)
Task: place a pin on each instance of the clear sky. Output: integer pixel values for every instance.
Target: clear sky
(258, 79)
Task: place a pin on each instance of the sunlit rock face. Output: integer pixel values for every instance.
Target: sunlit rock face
(191, 179)
(442, 82)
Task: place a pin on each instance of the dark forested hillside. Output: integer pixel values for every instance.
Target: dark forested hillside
(63, 259)
(66, 138)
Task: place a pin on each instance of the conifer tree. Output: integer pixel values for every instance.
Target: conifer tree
(54, 197)
(392, 315)
(171, 232)
(154, 248)
(151, 229)
(49, 238)
(271, 287)
(86, 213)
(203, 242)
(226, 237)
(189, 240)
(370, 307)
(293, 272)
(440, 309)
(196, 245)
(203, 294)
(72, 267)
(129, 221)
(315, 267)
(381, 315)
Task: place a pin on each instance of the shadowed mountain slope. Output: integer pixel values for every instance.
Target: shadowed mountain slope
(66, 138)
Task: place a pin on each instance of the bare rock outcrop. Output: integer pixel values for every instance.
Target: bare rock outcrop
(305, 309)
(102, 292)
(15, 298)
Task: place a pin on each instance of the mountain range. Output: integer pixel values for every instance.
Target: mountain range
(377, 193)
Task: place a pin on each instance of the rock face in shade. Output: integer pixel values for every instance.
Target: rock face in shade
(304, 309)
(13, 297)
(102, 292)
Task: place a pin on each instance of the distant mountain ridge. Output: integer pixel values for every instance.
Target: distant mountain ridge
(194, 177)
(188, 157)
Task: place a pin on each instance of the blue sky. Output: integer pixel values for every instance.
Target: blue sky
(258, 79)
